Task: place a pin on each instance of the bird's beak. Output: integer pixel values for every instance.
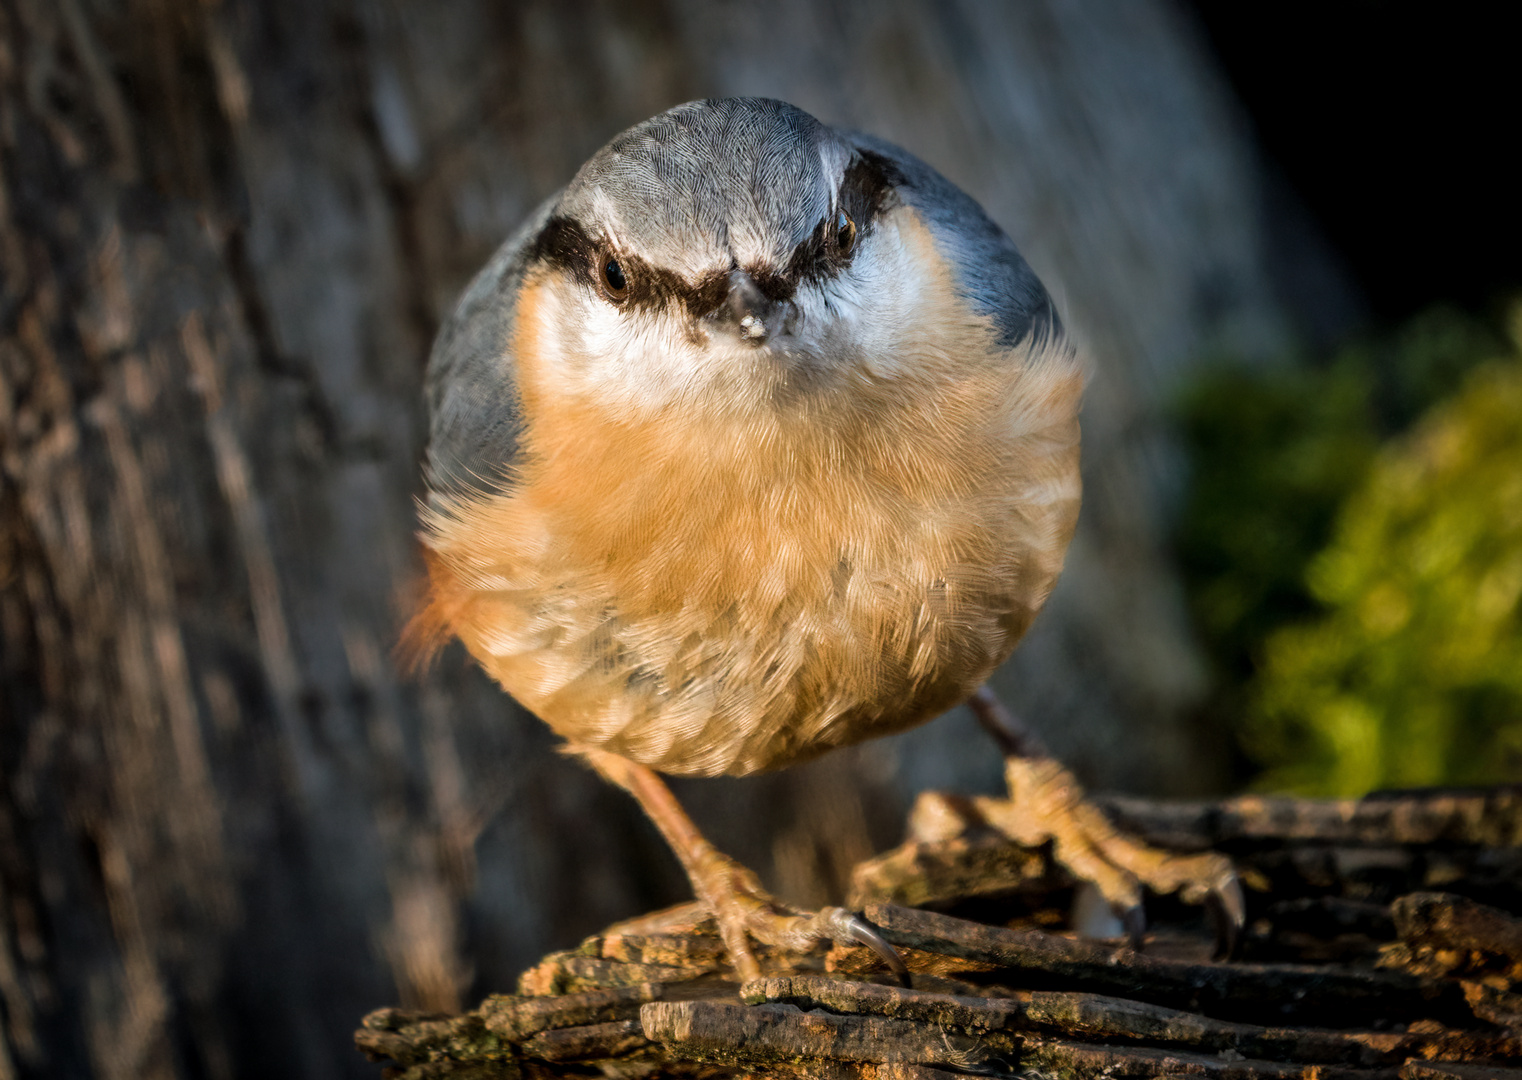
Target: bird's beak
(750, 313)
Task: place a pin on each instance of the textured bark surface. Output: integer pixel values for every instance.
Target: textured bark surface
(227, 233)
(1386, 983)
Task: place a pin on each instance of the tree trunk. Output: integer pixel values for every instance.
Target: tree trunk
(229, 827)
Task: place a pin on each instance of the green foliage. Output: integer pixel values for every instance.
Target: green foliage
(1413, 675)
(1361, 600)
(1274, 454)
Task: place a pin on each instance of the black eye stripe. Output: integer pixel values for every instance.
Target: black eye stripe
(869, 187)
(565, 245)
(866, 191)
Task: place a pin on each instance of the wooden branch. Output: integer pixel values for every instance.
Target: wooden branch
(1431, 994)
(1111, 1020)
(1445, 921)
(1228, 990)
(1490, 818)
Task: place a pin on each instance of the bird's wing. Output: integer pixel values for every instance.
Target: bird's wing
(474, 414)
(991, 272)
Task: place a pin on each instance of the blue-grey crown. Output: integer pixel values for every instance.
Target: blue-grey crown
(683, 181)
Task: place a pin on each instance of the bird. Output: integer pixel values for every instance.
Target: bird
(757, 439)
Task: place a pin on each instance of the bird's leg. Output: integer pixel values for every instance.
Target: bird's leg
(1046, 802)
(742, 909)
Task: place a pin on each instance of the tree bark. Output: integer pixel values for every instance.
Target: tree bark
(1430, 992)
(227, 233)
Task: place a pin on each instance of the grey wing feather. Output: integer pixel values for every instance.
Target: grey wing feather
(474, 413)
(991, 272)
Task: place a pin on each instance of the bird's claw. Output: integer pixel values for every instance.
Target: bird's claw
(1228, 915)
(745, 912)
(1224, 904)
(848, 926)
(1046, 803)
(1135, 923)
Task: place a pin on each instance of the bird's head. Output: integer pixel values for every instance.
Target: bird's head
(718, 254)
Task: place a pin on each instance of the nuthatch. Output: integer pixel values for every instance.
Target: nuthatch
(757, 439)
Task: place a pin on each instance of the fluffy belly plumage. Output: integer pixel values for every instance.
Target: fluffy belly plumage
(705, 598)
(753, 629)
(760, 679)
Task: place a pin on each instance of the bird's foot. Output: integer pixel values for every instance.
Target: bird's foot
(1046, 803)
(744, 912)
(731, 893)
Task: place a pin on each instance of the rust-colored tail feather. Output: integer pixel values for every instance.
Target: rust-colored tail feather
(432, 625)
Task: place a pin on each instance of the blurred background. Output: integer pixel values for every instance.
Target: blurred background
(1284, 236)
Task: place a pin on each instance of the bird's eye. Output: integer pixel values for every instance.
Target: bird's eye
(611, 276)
(845, 232)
